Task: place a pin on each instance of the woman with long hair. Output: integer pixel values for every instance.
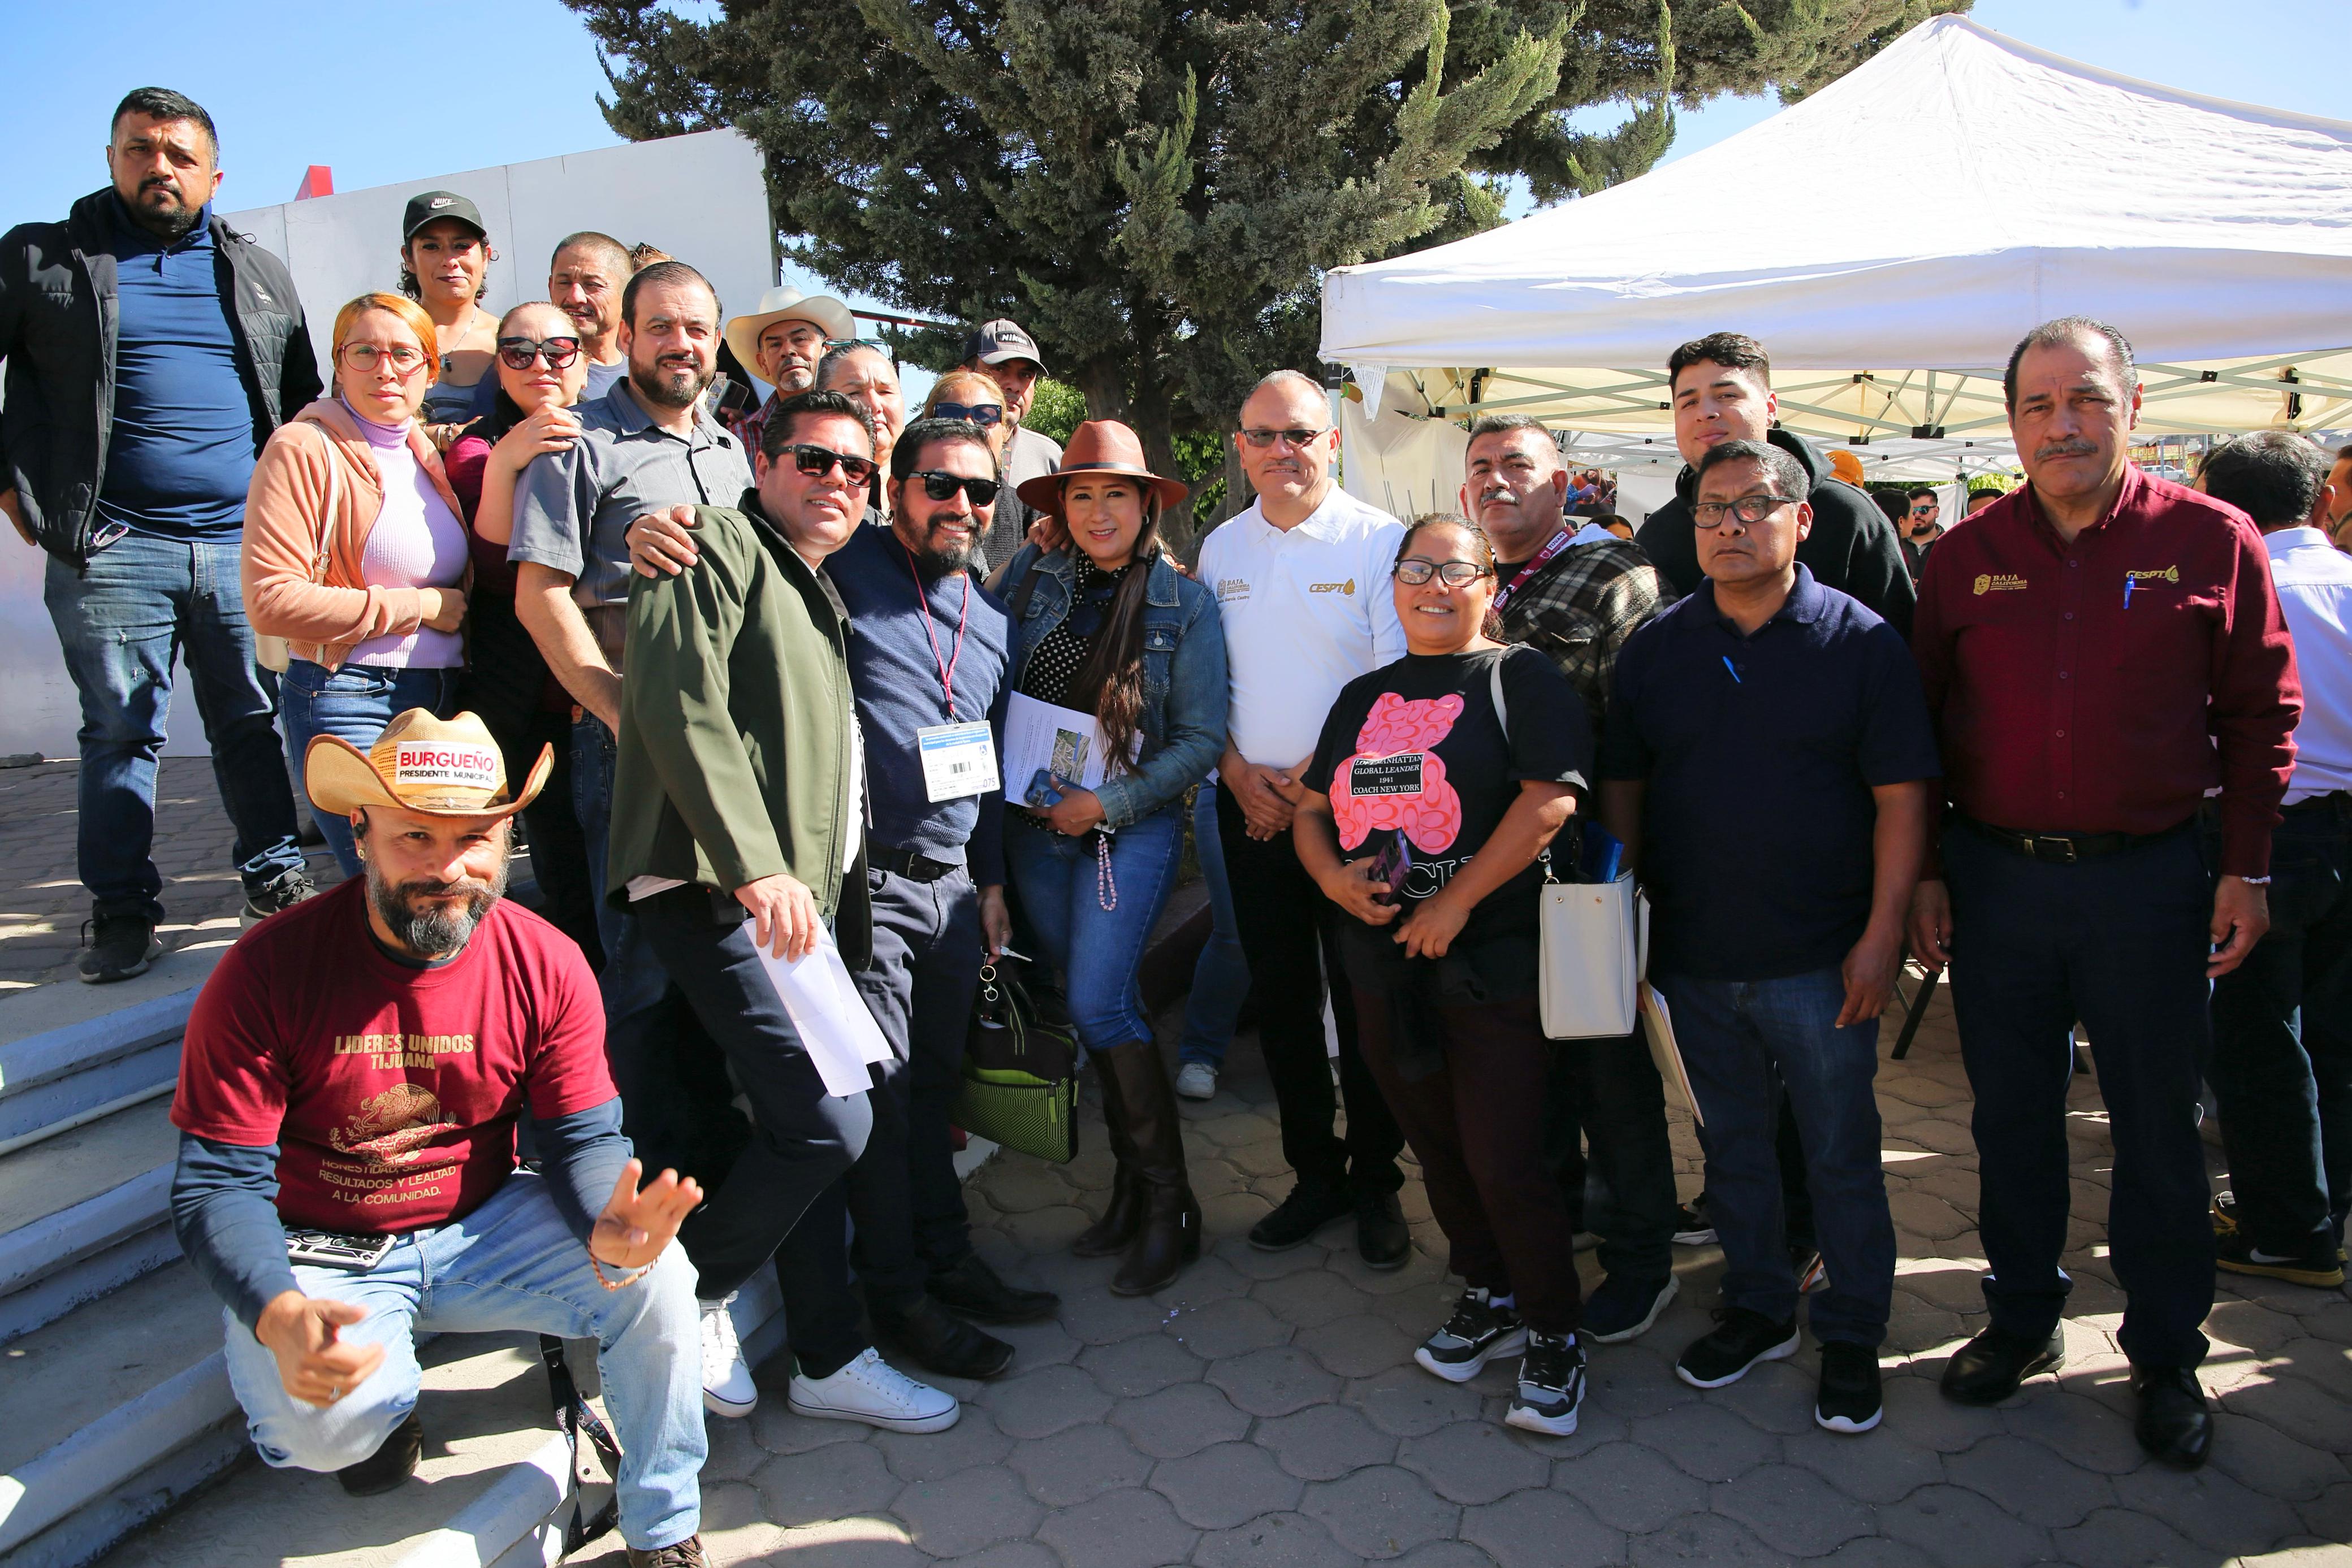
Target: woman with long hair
(1106, 625)
(355, 551)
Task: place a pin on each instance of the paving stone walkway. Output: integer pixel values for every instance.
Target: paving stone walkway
(1265, 1409)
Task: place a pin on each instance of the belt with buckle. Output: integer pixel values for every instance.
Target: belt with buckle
(908, 863)
(2066, 849)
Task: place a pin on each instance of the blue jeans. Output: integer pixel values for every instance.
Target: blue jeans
(1221, 978)
(1744, 1043)
(510, 1266)
(120, 621)
(1098, 951)
(353, 703)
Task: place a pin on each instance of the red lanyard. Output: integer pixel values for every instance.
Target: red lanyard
(1552, 547)
(964, 616)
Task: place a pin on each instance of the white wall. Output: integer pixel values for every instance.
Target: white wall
(700, 197)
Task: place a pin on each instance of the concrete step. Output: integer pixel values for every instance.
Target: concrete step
(84, 1212)
(73, 1053)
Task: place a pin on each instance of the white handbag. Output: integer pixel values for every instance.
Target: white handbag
(1595, 942)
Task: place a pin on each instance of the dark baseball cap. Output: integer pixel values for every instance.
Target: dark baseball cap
(997, 341)
(431, 206)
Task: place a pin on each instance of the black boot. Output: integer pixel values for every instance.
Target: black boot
(1111, 1235)
(391, 1465)
(1169, 1234)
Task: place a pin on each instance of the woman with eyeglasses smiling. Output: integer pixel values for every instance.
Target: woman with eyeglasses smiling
(1441, 778)
(353, 551)
(1107, 625)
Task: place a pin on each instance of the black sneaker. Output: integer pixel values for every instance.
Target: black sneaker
(1621, 1308)
(1551, 1386)
(120, 945)
(1476, 1334)
(390, 1465)
(1380, 1234)
(1692, 1227)
(1298, 1216)
(1848, 1400)
(288, 891)
(2316, 1264)
(1741, 1339)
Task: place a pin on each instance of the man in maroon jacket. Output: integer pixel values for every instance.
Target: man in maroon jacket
(2100, 648)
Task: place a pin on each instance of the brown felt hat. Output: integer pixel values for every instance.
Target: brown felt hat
(1101, 446)
(439, 767)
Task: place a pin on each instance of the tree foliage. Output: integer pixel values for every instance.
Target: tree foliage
(1156, 189)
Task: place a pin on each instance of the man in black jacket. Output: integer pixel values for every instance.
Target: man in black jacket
(150, 353)
(1722, 388)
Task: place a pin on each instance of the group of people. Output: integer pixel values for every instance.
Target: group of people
(744, 676)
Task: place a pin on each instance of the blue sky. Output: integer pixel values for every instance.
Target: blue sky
(372, 92)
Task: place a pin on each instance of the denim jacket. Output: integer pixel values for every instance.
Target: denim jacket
(1185, 689)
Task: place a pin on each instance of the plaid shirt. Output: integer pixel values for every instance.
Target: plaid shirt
(1580, 608)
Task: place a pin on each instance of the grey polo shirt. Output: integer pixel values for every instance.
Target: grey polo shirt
(572, 508)
(1028, 456)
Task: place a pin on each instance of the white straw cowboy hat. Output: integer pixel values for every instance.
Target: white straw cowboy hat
(786, 303)
(438, 768)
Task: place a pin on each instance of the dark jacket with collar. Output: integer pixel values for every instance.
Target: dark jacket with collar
(1184, 678)
(1852, 548)
(59, 316)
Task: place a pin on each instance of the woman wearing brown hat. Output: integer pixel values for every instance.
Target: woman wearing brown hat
(1107, 625)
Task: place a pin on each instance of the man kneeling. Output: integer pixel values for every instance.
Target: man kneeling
(351, 1084)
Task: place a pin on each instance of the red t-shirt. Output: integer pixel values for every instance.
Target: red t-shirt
(392, 1092)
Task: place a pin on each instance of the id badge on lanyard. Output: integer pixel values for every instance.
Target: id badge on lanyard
(958, 759)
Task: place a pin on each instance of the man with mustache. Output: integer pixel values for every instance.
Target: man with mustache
(781, 342)
(353, 1077)
(2100, 648)
(151, 352)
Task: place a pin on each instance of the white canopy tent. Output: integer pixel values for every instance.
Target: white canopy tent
(1889, 239)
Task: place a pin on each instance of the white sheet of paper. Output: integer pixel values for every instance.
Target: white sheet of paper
(840, 1036)
(1059, 741)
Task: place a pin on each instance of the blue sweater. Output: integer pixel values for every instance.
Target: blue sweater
(894, 672)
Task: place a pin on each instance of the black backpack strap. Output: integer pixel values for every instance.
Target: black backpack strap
(574, 1416)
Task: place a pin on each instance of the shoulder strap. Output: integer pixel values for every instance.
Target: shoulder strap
(1495, 689)
(334, 500)
(1028, 586)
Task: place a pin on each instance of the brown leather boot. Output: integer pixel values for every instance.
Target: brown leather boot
(1111, 1234)
(1169, 1234)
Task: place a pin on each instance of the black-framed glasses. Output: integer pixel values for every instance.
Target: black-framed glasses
(1413, 571)
(1748, 510)
(987, 416)
(938, 486)
(816, 461)
(406, 358)
(1924, 509)
(517, 353)
(1263, 438)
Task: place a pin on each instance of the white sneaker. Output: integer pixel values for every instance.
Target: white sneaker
(727, 1385)
(871, 1390)
(1196, 1081)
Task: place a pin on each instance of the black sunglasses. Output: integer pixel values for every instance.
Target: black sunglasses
(1263, 438)
(938, 486)
(987, 416)
(816, 461)
(517, 353)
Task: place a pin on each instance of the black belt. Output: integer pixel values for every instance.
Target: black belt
(2066, 849)
(908, 863)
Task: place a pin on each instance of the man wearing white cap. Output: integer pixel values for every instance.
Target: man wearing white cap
(1008, 356)
(781, 341)
(352, 1078)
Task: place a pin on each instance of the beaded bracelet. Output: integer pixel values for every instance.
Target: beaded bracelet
(597, 1264)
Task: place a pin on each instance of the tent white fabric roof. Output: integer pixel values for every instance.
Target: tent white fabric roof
(1889, 239)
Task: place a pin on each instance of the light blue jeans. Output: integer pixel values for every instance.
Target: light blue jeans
(510, 1266)
(1221, 978)
(1098, 950)
(353, 703)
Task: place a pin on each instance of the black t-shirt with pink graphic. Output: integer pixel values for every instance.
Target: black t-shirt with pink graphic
(1415, 752)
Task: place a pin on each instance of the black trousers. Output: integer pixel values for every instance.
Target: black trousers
(802, 1139)
(1285, 927)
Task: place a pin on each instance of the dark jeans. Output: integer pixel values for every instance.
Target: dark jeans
(121, 620)
(1746, 1045)
(1608, 1090)
(2281, 1064)
(2120, 942)
(1286, 929)
(353, 703)
(902, 1192)
(802, 1138)
(1477, 1126)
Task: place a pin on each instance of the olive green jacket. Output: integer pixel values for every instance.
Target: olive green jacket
(736, 752)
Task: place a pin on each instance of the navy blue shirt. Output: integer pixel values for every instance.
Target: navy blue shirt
(181, 453)
(1759, 754)
(894, 675)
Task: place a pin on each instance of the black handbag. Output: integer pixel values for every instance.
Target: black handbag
(1020, 1086)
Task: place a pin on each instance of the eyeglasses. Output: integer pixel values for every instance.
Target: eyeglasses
(816, 461)
(1413, 571)
(1263, 438)
(987, 416)
(1748, 510)
(1924, 509)
(517, 353)
(938, 486)
(365, 357)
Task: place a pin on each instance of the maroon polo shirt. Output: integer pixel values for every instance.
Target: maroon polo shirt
(2107, 685)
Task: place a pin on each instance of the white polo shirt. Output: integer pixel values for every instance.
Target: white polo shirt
(1305, 609)
(2314, 590)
